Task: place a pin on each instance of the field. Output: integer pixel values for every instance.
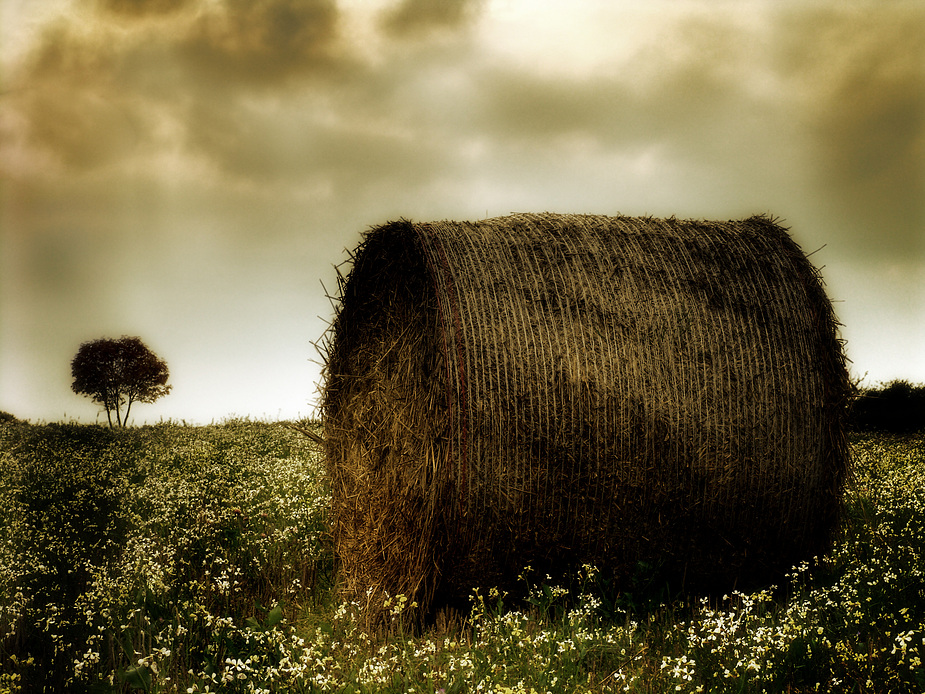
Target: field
(172, 558)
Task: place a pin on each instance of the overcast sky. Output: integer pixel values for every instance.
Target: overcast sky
(190, 171)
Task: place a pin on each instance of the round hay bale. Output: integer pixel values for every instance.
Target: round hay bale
(558, 389)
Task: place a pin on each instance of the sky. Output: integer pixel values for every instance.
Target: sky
(192, 171)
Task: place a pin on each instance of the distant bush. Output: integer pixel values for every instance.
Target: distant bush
(7, 417)
(898, 407)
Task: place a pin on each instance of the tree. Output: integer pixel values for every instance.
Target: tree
(118, 372)
(897, 407)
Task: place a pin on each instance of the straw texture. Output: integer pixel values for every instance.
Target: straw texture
(556, 389)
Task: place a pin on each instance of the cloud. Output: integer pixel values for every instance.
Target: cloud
(66, 105)
(277, 146)
(144, 8)
(861, 74)
(411, 18)
(266, 93)
(692, 106)
(793, 102)
(117, 88)
(806, 108)
(262, 43)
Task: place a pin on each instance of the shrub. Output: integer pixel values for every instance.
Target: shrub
(897, 407)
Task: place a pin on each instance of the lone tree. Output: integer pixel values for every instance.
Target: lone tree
(118, 372)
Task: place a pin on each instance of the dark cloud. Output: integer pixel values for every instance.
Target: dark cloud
(530, 107)
(101, 92)
(687, 88)
(262, 44)
(144, 8)
(417, 17)
(829, 106)
(217, 79)
(269, 146)
(260, 93)
(683, 110)
(71, 102)
(271, 91)
(863, 76)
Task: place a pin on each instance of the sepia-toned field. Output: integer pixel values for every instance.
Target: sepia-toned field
(175, 558)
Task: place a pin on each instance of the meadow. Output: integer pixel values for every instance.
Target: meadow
(175, 558)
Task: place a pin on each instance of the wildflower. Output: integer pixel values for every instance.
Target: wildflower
(902, 642)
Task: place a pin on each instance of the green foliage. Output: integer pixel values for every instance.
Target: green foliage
(194, 559)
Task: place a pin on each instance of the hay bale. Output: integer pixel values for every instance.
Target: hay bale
(556, 389)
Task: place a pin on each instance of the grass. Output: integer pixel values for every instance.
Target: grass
(172, 558)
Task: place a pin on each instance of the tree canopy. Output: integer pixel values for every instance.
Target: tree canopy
(897, 407)
(119, 372)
